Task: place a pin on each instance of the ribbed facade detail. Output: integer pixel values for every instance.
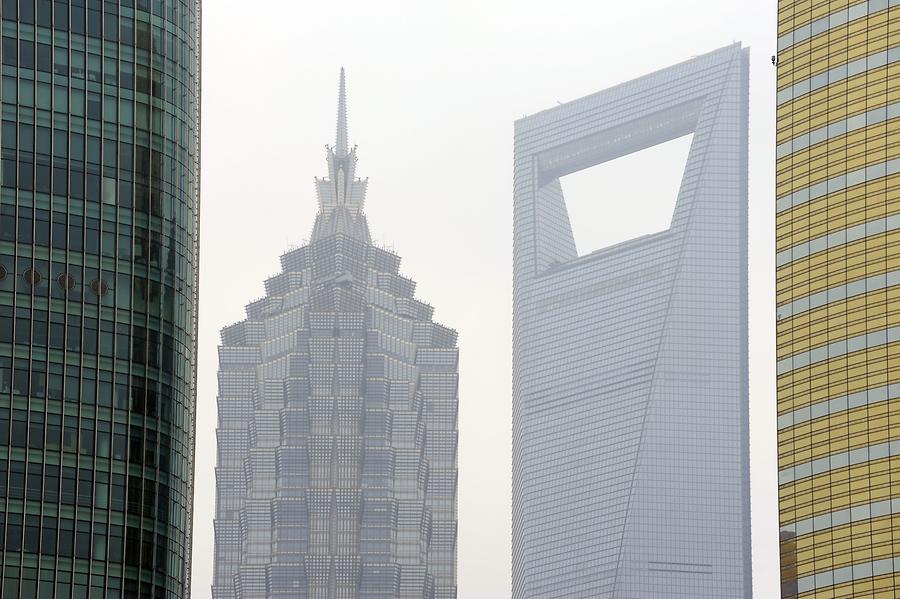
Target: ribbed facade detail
(837, 218)
(337, 432)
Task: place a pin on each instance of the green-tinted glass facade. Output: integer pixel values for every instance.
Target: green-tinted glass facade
(98, 293)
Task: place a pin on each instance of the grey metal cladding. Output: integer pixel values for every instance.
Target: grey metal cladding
(630, 390)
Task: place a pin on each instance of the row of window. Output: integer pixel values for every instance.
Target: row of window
(81, 487)
(839, 128)
(838, 183)
(127, 113)
(134, 444)
(839, 73)
(22, 487)
(129, 343)
(90, 186)
(62, 176)
(837, 349)
(146, 297)
(64, 280)
(147, 344)
(88, 336)
(132, 394)
(838, 460)
(65, 585)
(838, 18)
(70, 150)
(74, 17)
(83, 234)
(26, 54)
(78, 234)
(842, 403)
(82, 540)
(65, 542)
(139, 396)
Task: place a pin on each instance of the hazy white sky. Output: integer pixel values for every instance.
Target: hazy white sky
(434, 88)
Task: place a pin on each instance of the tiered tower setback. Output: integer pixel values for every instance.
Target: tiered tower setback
(337, 433)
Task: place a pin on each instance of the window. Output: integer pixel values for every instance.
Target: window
(44, 56)
(42, 227)
(26, 54)
(61, 61)
(54, 432)
(36, 431)
(9, 51)
(8, 222)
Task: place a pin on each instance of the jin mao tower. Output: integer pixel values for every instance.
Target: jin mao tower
(336, 474)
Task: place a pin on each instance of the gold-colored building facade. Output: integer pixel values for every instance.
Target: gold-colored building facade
(838, 297)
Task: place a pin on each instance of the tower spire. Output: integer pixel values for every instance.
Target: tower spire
(341, 149)
(341, 194)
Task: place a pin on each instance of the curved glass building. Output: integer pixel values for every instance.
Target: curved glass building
(838, 285)
(98, 296)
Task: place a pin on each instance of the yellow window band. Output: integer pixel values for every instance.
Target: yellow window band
(866, 397)
(835, 19)
(838, 293)
(838, 183)
(841, 459)
(838, 348)
(837, 238)
(839, 73)
(849, 515)
(848, 574)
(838, 128)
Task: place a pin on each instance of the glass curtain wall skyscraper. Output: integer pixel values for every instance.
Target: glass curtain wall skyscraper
(336, 467)
(837, 211)
(630, 391)
(99, 209)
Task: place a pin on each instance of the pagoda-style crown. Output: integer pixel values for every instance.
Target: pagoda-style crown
(341, 194)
